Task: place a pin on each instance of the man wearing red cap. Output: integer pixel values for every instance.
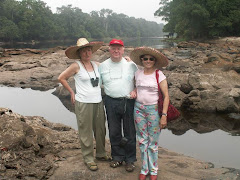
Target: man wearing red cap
(118, 79)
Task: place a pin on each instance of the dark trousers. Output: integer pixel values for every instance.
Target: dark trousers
(120, 119)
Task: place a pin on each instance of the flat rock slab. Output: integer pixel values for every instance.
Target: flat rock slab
(171, 166)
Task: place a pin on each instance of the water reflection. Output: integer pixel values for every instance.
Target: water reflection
(208, 137)
(30, 102)
(199, 122)
(134, 42)
(205, 136)
(39, 45)
(205, 123)
(151, 42)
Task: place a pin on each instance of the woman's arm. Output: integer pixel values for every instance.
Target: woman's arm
(164, 88)
(65, 75)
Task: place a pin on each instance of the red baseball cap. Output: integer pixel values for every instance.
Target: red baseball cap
(116, 41)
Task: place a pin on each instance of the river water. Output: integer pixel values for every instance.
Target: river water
(216, 145)
(156, 42)
(210, 138)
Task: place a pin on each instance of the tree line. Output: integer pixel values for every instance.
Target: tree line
(193, 19)
(33, 20)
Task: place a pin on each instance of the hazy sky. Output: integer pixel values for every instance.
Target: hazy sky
(132, 8)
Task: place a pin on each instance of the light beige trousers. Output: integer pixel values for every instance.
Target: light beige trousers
(91, 121)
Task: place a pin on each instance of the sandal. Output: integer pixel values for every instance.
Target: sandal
(104, 158)
(129, 167)
(115, 164)
(92, 166)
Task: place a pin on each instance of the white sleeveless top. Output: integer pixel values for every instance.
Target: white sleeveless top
(85, 92)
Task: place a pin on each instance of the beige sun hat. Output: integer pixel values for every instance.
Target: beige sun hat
(161, 60)
(72, 52)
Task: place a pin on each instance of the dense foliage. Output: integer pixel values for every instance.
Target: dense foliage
(33, 20)
(201, 18)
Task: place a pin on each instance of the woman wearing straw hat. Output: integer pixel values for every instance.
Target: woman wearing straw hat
(87, 100)
(146, 115)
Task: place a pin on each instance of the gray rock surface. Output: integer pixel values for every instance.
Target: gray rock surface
(33, 148)
(202, 77)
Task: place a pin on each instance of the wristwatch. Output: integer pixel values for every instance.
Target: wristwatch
(164, 114)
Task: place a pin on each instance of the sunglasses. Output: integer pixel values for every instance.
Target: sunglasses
(151, 59)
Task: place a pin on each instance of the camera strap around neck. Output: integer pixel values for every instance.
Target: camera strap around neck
(87, 70)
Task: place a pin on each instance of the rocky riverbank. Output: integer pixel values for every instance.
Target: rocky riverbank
(202, 77)
(33, 148)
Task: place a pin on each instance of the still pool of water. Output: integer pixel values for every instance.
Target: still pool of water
(219, 147)
(155, 42)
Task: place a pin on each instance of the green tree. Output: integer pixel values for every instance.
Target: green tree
(73, 20)
(8, 30)
(200, 18)
(33, 20)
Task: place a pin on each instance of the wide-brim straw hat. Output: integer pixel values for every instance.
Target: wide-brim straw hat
(161, 60)
(72, 52)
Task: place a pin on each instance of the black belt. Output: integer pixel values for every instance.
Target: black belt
(121, 99)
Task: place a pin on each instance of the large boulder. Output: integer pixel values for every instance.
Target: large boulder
(29, 145)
